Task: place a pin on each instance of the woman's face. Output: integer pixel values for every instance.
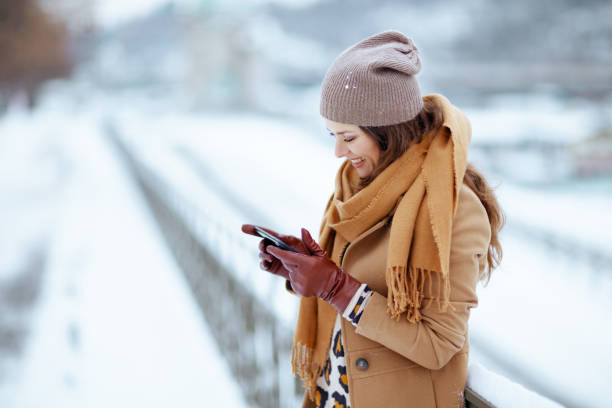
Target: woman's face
(356, 145)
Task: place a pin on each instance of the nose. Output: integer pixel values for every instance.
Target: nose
(341, 149)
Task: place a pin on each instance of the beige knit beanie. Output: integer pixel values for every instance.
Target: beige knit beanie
(372, 83)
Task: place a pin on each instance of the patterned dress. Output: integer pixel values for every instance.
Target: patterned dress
(332, 386)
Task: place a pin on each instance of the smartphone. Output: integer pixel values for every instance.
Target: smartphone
(275, 241)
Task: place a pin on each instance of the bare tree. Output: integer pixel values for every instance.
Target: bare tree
(33, 48)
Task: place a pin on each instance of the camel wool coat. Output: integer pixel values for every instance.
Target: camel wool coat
(420, 364)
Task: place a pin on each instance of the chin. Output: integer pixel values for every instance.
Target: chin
(363, 174)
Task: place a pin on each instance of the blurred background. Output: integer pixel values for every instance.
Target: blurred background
(136, 137)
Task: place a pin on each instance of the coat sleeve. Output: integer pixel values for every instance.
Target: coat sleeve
(434, 340)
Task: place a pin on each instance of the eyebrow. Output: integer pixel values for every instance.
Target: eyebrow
(341, 132)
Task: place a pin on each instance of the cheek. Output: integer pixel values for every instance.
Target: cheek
(373, 154)
(375, 157)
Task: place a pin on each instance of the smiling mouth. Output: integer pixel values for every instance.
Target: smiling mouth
(358, 162)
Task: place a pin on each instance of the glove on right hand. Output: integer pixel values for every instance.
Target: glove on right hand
(315, 274)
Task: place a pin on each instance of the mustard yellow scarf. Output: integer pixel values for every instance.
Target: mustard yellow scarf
(426, 179)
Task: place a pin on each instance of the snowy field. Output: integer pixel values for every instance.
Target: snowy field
(115, 324)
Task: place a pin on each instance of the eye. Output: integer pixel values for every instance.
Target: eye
(350, 139)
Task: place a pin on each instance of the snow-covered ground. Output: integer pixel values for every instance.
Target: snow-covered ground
(115, 323)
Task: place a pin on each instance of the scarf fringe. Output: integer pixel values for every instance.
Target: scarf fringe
(406, 291)
(303, 365)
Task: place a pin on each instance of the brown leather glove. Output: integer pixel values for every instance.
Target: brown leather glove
(317, 275)
(268, 262)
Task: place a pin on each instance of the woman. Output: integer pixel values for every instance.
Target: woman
(408, 232)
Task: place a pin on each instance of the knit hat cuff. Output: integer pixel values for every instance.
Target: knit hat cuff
(342, 104)
(372, 83)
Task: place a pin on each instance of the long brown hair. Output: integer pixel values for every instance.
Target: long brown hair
(394, 140)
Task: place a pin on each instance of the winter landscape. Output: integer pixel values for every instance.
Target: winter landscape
(97, 310)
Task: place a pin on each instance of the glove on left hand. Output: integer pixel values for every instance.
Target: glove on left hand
(317, 275)
(268, 262)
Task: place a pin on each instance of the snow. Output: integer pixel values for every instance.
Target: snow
(555, 210)
(110, 13)
(30, 170)
(116, 324)
(502, 392)
(238, 156)
(539, 118)
(559, 330)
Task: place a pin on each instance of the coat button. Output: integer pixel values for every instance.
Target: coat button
(362, 364)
